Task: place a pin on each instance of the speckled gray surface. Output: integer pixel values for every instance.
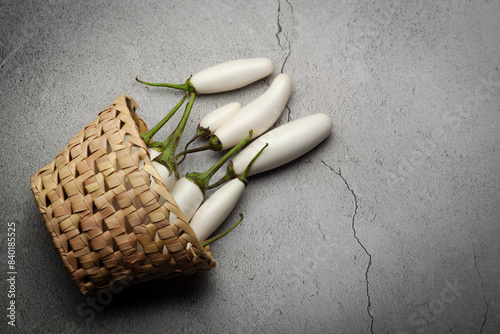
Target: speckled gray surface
(389, 226)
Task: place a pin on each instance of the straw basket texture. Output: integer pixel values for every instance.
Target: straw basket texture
(109, 227)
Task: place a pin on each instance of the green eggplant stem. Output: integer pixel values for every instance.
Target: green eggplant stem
(159, 146)
(217, 237)
(196, 136)
(167, 158)
(187, 86)
(228, 176)
(177, 158)
(213, 144)
(200, 132)
(203, 179)
(192, 150)
(231, 174)
(243, 177)
(146, 136)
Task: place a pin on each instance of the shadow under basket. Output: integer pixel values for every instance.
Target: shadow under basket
(109, 225)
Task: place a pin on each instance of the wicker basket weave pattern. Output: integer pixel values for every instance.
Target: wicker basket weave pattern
(108, 225)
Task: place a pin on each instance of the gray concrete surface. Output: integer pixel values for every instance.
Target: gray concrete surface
(390, 226)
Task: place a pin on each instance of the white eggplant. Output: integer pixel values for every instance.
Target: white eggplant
(188, 197)
(231, 75)
(216, 208)
(166, 174)
(153, 153)
(214, 119)
(258, 115)
(285, 143)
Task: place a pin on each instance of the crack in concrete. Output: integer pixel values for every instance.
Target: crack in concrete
(482, 290)
(339, 173)
(288, 114)
(279, 25)
(285, 46)
(280, 31)
(286, 58)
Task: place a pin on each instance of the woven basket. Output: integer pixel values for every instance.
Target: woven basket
(109, 227)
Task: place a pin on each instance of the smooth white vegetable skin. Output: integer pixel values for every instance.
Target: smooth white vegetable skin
(167, 176)
(258, 115)
(214, 119)
(188, 197)
(216, 209)
(231, 75)
(286, 143)
(153, 153)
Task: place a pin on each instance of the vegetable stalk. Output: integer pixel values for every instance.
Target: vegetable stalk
(187, 86)
(218, 236)
(169, 146)
(203, 179)
(146, 136)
